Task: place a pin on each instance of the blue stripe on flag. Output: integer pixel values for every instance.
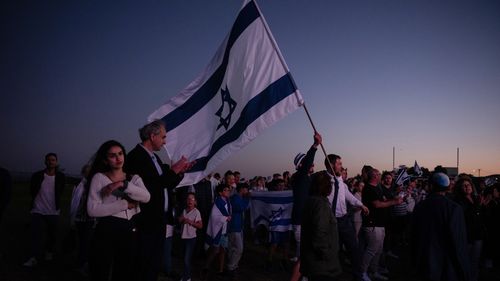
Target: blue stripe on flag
(274, 200)
(257, 106)
(285, 222)
(212, 86)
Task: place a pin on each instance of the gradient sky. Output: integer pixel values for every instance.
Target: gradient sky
(422, 76)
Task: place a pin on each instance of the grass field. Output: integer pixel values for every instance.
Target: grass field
(15, 243)
(15, 246)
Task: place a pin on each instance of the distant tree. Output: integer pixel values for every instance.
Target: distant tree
(440, 169)
(425, 172)
(411, 171)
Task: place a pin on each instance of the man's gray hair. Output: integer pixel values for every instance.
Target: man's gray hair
(151, 128)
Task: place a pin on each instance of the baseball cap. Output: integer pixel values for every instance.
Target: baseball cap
(298, 159)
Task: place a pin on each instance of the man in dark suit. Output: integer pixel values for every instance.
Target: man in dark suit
(160, 180)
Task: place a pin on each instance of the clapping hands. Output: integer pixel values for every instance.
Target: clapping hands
(182, 165)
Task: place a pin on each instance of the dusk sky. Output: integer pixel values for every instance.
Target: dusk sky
(420, 76)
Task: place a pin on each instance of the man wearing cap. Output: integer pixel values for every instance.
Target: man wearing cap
(300, 182)
(439, 242)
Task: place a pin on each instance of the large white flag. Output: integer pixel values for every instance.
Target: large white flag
(245, 89)
(273, 209)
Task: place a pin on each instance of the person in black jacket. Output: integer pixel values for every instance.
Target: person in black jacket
(156, 216)
(300, 182)
(465, 196)
(46, 188)
(320, 244)
(439, 237)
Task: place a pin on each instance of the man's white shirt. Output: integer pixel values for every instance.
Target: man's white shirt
(344, 196)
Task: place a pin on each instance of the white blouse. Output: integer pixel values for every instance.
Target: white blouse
(111, 205)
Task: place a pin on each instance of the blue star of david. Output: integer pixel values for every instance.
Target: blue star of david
(276, 214)
(226, 98)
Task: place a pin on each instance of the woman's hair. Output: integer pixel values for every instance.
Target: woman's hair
(99, 165)
(459, 191)
(321, 184)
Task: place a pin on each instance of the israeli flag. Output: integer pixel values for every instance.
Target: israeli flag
(402, 177)
(417, 169)
(245, 89)
(273, 209)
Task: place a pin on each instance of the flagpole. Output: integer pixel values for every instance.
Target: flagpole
(393, 157)
(315, 131)
(282, 60)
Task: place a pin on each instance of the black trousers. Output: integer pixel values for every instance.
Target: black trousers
(150, 254)
(347, 237)
(113, 249)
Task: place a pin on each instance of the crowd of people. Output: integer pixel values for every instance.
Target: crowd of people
(128, 208)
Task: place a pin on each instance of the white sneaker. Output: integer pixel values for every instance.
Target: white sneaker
(31, 262)
(378, 276)
(49, 256)
(294, 259)
(365, 277)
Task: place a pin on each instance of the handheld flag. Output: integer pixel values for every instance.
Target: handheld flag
(245, 89)
(402, 176)
(417, 169)
(273, 209)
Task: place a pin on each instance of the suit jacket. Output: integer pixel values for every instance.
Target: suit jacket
(153, 216)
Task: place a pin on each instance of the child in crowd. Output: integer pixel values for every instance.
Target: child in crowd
(239, 202)
(191, 221)
(216, 238)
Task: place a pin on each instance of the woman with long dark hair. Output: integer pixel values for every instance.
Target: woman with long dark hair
(114, 198)
(465, 195)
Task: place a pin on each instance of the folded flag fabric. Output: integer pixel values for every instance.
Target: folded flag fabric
(245, 89)
(217, 223)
